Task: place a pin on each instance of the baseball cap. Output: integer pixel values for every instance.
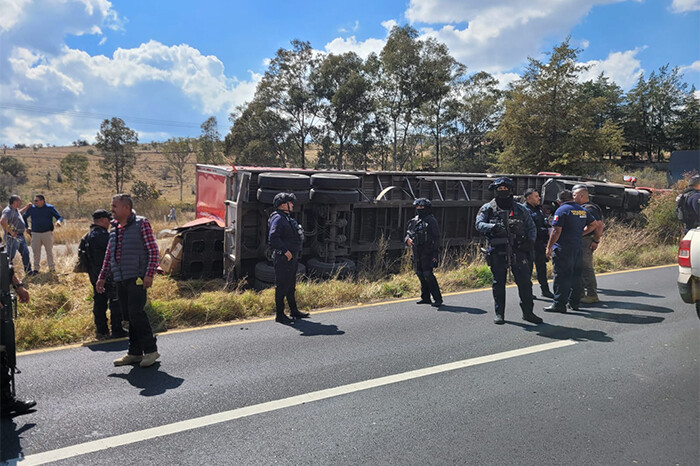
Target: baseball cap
(101, 213)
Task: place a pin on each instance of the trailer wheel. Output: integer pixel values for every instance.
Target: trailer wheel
(343, 267)
(327, 196)
(267, 195)
(284, 181)
(264, 271)
(260, 285)
(334, 181)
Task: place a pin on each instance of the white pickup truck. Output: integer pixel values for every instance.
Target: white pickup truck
(689, 268)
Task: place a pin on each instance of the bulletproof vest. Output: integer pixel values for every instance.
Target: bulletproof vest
(507, 218)
(418, 230)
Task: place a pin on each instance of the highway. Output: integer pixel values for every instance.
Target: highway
(388, 383)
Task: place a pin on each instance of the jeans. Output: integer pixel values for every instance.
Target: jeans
(132, 298)
(18, 244)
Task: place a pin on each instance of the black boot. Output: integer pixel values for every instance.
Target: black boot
(283, 319)
(532, 318)
(499, 320)
(299, 315)
(554, 308)
(546, 293)
(16, 406)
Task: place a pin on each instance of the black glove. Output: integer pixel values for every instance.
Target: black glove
(497, 231)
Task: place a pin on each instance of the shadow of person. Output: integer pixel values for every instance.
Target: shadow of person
(612, 305)
(619, 318)
(559, 332)
(10, 438)
(309, 328)
(460, 309)
(630, 293)
(151, 381)
(112, 346)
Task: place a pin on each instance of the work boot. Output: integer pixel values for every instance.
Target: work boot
(573, 307)
(149, 359)
(590, 299)
(283, 319)
(423, 301)
(499, 320)
(300, 315)
(532, 318)
(554, 308)
(101, 336)
(437, 303)
(16, 406)
(128, 359)
(546, 293)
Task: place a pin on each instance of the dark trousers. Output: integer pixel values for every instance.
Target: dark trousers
(100, 303)
(423, 265)
(567, 276)
(286, 283)
(540, 264)
(6, 333)
(132, 298)
(522, 270)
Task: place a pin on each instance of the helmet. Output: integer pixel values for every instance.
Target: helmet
(694, 180)
(503, 181)
(283, 198)
(421, 201)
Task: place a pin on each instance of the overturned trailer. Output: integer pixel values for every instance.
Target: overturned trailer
(346, 214)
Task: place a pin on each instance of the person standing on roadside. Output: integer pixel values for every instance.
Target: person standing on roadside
(131, 259)
(285, 238)
(533, 204)
(42, 225)
(589, 243)
(96, 247)
(564, 248)
(688, 202)
(12, 222)
(172, 217)
(423, 237)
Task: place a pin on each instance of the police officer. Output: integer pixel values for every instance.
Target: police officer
(589, 243)
(690, 204)
(564, 248)
(511, 233)
(285, 239)
(532, 202)
(423, 236)
(9, 403)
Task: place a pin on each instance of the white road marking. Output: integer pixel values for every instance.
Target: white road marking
(191, 424)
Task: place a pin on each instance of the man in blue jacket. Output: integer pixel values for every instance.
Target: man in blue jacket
(285, 239)
(41, 228)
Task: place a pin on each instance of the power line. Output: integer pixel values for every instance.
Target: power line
(98, 116)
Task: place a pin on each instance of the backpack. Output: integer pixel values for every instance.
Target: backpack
(683, 212)
(83, 263)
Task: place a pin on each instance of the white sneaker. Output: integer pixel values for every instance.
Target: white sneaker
(149, 359)
(128, 359)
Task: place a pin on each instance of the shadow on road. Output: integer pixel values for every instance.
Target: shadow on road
(630, 293)
(152, 381)
(120, 345)
(619, 318)
(559, 332)
(10, 437)
(625, 305)
(460, 309)
(309, 328)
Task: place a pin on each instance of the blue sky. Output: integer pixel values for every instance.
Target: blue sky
(166, 66)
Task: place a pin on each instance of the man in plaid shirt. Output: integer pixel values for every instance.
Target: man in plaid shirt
(132, 258)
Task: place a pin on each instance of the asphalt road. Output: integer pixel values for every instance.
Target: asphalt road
(393, 383)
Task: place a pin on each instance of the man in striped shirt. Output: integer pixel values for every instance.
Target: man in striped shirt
(132, 258)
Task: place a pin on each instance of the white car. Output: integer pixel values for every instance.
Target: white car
(689, 268)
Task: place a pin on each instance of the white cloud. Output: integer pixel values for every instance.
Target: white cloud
(340, 45)
(624, 68)
(153, 82)
(692, 68)
(683, 6)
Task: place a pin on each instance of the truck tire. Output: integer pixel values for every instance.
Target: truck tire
(334, 181)
(259, 285)
(264, 271)
(284, 181)
(632, 199)
(327, 196)
(343, 267)
(266, 196)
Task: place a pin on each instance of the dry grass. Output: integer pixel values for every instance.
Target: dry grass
(60, 311)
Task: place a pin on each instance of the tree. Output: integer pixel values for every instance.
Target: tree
(12, 173)
(685, 130)
(344, 97)
(286, 90)
(177, 152)
(210, 143)
(75, 167)
(142, 191)
(117, 142)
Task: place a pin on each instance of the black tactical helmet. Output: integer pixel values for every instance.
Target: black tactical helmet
(421, 201)
(503, 181)
(694, 181)
(283, 198)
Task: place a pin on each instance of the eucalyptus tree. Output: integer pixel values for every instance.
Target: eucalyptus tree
(74, 167)
(117, 142)
(178, 152)
(209, 145)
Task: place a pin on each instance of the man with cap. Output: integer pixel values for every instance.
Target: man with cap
(511, 233)
(689, 201)
(95, 246)
(539, 259)
(564, 248)
(589, 243)
(285, 238)
(423, 237)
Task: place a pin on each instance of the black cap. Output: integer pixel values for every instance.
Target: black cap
(101, 213)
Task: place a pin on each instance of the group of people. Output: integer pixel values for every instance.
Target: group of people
(519, 239)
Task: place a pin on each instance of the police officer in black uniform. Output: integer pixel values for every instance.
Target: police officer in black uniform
(532, 202)
(9, 404)
(511, 233)
(423, 236)
(285, 238)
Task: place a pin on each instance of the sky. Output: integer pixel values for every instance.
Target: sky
(165, 66)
